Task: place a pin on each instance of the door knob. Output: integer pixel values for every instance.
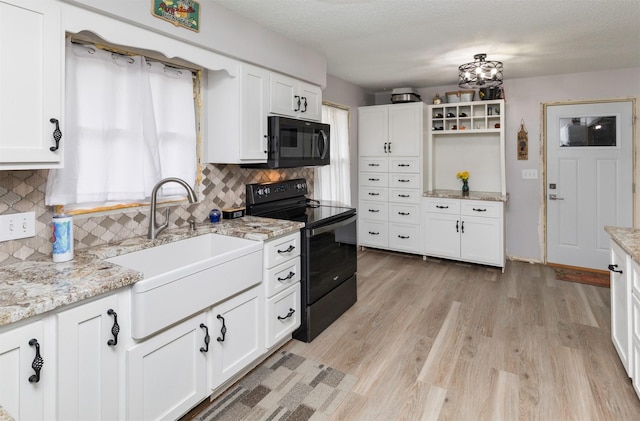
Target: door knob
(555, 197)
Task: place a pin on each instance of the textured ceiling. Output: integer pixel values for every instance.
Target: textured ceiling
(385, 44)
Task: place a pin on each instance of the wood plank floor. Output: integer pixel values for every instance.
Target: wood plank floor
(439, 340)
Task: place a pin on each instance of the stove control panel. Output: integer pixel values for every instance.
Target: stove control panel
(275, 190)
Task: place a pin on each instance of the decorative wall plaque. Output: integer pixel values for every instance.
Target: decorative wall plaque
(184, 13)
(523, 142)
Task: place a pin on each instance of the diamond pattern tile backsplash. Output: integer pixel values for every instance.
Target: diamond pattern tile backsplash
(223, 186)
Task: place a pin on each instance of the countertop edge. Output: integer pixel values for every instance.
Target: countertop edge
(473, 195)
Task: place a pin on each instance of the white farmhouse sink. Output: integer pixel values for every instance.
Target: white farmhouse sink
(187, 276)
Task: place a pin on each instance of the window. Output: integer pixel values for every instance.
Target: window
(129, 122)
(332, 182)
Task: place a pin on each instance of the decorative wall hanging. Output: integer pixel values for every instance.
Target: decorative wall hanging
(523, 142)
(184, 13)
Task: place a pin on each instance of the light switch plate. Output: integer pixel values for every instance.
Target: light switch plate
(17, 225)
(530, 174)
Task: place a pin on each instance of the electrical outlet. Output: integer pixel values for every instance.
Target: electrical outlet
(530, 174)
(17, 225)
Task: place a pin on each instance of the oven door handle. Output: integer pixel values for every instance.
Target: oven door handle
(330, 227)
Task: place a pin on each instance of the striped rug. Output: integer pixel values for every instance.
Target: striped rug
(286, 386)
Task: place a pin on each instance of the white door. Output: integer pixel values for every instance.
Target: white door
(589, 180)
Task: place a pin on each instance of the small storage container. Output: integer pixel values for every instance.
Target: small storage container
(460, 96)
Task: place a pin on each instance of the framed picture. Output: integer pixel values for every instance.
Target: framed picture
(184, 13)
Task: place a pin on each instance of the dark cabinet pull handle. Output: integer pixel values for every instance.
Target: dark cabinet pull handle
(462, 227)
(402, 180)
(207, 338)
(374, 165)
(374, 179)
(37, 363)
(404, 213)
(223, 330)
(115, 329)
(389, 147)
(289, 314)
(374, 194)
(442, 207)
(404, 195)
(404, 237)
(612, 268)
(385, 147)
(479, 210)
(374, 210)
(57, 134)
(297, 97)
(457, 226)
(289, 276)
(288, 250)
(404, 165)
(374, 233)
(305, 104)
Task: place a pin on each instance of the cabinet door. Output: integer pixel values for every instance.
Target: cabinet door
(312, 101)
(255, 103)
(620, 285)
(167, 373)
(442, 235)
(282, 94)
(405, 129)
(373, 130)
(21, 398)
(238, 329)
(481, 240)
(283, 315)
(31, 86)
(90, 349)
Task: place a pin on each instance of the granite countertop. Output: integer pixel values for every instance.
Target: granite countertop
(473, 195)
(628, 239)
(34, 287)
(4, 416)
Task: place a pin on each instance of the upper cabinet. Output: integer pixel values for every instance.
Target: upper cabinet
(31, 85)
(237, 109)
(294, 98)
(467, 136)
(390, 130)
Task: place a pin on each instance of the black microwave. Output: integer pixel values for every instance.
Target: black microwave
(296, 143)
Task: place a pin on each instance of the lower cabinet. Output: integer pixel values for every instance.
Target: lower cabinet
(468, 230)
(25, 392)
(167, 373)
(620, 286)
(91, 352)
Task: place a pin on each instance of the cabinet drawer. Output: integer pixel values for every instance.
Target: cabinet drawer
(283, 314)
(404, 237)
(376, 211)
(379, 194)
(281, 249)
(406, 165)
(374, 164)
(481, 208)
(435, 205)
(405, 181)
(405, 195)
(373, 233)
(404, 213)
(282, 276)
(374, 179)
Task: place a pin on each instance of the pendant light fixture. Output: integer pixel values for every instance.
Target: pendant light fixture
(480, 73)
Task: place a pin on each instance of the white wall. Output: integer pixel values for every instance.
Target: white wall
(524, 102)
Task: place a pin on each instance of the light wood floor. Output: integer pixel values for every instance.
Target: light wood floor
(443, 340)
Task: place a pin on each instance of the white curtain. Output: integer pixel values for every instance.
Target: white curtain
(332, 182)
(114, 140)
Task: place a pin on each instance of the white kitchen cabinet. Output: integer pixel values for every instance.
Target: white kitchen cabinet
(24, 394)
(391, 179)
(282, 274)
(237, 112)
(167, 373)
(237, 335)
(468, 230)
(91, 351)
(294, 98)
(32, 85)
(621, 292)
(466, 136)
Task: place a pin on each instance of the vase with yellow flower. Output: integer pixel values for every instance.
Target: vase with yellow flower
(464, 177)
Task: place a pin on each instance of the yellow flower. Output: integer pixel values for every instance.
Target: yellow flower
(463, 175)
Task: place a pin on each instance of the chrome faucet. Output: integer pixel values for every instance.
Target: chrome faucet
(154, 228)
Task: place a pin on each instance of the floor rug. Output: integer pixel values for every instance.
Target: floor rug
(285, 386)
(584, 277)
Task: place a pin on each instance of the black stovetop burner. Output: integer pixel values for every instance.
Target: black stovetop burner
(287, 200)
